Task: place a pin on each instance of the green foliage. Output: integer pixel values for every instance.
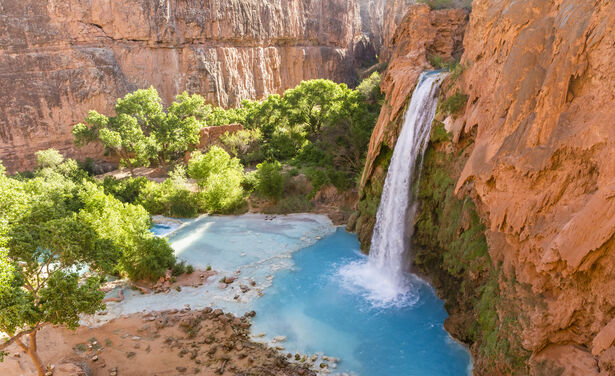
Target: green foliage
(48, 158)
(245, 145)
(316, 124)
(290, 204)
(142, 132)
(54, 225)
(454, 104)
(168, 198)
(452, 248)
(126, 190)
(219, 176)
(270, 181)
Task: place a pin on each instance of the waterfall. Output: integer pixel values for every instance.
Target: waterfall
(383, 276)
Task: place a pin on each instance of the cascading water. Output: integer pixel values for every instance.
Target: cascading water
(383, 275)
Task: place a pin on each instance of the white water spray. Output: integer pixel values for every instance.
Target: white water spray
(383, 276)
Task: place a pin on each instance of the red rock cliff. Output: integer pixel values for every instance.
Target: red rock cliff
(58, 59)
(541, 85)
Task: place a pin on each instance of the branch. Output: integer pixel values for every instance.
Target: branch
(16, 338)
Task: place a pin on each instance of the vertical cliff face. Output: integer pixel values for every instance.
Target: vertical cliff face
(541, 86)
(533, 147)
(58, 59)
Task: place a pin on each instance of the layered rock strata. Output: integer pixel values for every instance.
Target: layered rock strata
(59, 59)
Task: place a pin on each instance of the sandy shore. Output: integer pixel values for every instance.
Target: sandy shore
(184, 342)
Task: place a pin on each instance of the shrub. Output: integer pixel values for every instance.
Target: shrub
(224, 192)
(245, 145)
(125, 190)
(250, 181)
(48, 158)
(168, 199)
(270, 179)
(215, 162)
(454, 104)
(219, 176)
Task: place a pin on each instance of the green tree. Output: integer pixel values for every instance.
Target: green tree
(315, 103)
(142, 132)
(179, 131)
(53, 227)
(219, 176)
(40, 251)
(270, 181)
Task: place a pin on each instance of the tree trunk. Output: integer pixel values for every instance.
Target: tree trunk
(31, 350)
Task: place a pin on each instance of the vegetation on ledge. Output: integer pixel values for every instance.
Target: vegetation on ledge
(451, 249)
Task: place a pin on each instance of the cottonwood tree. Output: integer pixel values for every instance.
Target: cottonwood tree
(142, 132)
(54, 228)
(40, 256)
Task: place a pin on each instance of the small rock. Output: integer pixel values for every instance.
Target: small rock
(131, 354)
(95, 358)
(243, 254)
(252, 283)
(323, 365)
(279, 339)
(222, 286)
(181, 369)
(244, 288)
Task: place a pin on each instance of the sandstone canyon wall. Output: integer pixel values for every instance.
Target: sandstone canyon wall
(531, 153)
(59, 59)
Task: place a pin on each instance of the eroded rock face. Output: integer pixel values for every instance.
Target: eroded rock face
(541, 86)
(421, 33)
(59, 59)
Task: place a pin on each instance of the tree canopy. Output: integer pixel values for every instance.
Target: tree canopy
(142, 131)
(59, 235)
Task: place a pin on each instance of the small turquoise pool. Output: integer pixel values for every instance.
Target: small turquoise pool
(312, 305)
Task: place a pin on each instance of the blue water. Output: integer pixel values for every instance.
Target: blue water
(318, 312)
(297, 267)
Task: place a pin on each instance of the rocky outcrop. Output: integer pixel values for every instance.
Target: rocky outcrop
(59, 59)
(539, 81)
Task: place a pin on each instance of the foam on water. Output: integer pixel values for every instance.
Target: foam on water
(312, 306)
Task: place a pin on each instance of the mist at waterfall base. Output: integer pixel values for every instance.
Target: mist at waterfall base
(383, 278)
(318, 312)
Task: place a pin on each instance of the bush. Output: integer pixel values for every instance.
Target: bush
(224, 192)
(220, 177)
(250, 181)
(48, 158)
(318, 178)
(125, 190)
(168, 199)
(245, 145)
(270, 179)
(291, 204)
(149, 259)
